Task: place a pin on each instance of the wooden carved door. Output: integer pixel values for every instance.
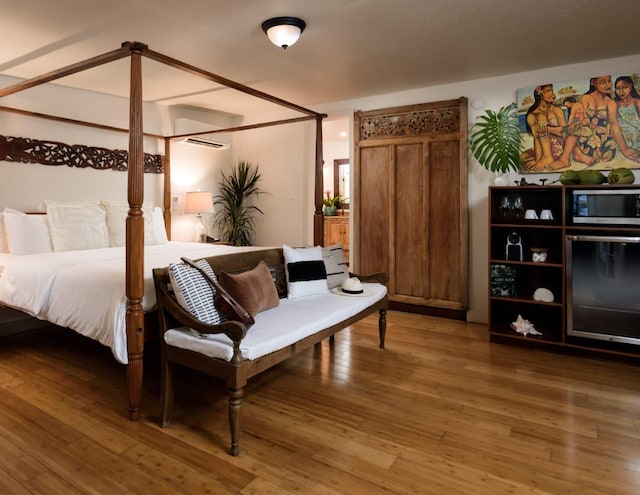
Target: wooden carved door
(410, 204)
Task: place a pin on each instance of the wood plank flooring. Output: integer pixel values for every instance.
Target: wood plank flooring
(440, 411)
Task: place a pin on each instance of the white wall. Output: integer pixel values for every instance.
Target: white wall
(283, 154)
(25, 186)
(193, 168)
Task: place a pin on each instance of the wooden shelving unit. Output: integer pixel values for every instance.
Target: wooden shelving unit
(509, 299)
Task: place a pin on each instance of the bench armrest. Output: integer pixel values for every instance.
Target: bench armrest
(168, 306)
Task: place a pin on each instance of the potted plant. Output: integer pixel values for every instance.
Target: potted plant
(496, 141)
(233, 215)
(331, 203)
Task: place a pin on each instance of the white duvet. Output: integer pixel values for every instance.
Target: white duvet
(85, 290)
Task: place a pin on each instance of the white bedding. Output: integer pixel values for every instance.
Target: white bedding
(85, 290)
(4, 257)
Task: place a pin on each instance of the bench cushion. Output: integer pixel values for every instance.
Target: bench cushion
(277, 328)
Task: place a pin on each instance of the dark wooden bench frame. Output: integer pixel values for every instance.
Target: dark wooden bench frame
(236, 372)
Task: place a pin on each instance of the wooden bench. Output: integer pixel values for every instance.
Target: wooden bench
(238, 369)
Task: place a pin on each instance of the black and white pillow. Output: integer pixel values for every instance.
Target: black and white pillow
(194, 293)
(306, 273)
(335, 265)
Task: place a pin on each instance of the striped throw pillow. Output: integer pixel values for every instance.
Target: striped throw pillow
(335, 264)
(194, 293)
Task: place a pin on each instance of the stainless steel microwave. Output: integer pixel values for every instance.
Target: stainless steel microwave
(605, 206)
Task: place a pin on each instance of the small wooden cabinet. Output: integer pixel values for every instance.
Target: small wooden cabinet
(514, 276)
(336, 229)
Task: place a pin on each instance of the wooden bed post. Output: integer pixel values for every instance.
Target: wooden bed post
(318, 218)
(135, 238)
(167, 187)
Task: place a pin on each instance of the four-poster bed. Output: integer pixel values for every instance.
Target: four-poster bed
(134, 245)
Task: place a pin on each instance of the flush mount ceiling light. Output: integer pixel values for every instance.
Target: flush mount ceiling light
(283, 31)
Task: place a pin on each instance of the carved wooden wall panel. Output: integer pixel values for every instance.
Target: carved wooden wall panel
(26, 150)
(410, 123)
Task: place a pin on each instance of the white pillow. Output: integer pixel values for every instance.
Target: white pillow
(4, 247)
(335, 264)
(305, 270)
(77, 225)
(194, 293)
(159, 230)
(117, 213)
(26, 234)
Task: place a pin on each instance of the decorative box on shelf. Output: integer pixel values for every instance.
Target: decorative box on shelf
(504, 280)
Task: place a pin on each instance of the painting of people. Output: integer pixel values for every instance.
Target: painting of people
(594, 123)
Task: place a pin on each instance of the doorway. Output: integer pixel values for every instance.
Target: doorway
(335, 146)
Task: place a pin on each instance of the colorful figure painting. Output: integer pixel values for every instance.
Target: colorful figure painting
(593, 123)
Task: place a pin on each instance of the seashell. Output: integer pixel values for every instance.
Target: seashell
(542, 294)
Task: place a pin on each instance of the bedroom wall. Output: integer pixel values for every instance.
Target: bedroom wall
(282, 154)
(26, 186)
(482, 94)
(196, 168)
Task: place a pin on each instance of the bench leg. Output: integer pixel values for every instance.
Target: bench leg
(235, 402)
(382, 326)
(166, 391)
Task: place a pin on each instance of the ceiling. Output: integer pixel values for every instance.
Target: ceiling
(350, 48)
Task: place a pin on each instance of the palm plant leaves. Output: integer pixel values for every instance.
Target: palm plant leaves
(233, 216)
(496, 139)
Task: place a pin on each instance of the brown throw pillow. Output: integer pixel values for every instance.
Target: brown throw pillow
(253, 289)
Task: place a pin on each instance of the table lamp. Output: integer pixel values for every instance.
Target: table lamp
(198, 202)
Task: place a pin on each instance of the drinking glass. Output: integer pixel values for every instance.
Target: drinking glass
(505, 207)
(518, 207)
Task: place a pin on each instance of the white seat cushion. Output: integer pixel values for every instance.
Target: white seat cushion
(277, 328)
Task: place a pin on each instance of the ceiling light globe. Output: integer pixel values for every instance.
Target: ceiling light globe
(283, 31)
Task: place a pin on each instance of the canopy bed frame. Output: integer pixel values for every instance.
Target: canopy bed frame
(134, 246)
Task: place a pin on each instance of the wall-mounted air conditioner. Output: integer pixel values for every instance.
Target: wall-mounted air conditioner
(205, 141)
(217, 141)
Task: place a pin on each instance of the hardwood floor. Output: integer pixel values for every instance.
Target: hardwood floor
(440, 411)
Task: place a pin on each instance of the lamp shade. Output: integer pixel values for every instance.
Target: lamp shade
(198, 202)
(283, 31)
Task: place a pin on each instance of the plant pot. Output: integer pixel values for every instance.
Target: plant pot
(501, 179)
(330, 211)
